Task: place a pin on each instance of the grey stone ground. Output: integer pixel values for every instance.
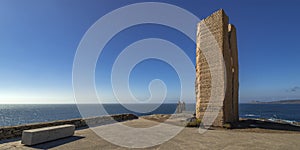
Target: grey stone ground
(189, 138)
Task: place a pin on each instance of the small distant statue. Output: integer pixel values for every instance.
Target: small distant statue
(180, 107)
(183, 106)
(179, 110)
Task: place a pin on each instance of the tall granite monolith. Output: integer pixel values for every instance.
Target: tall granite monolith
(217, 82)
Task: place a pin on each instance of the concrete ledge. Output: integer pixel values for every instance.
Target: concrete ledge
(41, 135)
(16, 131)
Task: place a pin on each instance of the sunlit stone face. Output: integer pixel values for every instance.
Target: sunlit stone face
(216, 70)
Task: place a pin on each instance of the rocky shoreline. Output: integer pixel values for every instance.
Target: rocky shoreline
(274, 120)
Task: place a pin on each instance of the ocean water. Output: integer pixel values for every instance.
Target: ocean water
(18, 114)
(285, 112)
(23, 114)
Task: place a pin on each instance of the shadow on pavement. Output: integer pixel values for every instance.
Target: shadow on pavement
(56, 143)
(252, 123)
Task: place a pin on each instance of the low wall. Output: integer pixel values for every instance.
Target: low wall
(16, 131)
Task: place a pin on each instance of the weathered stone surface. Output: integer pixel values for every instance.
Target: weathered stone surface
(213, 33)
(235, 70)
(41, 135)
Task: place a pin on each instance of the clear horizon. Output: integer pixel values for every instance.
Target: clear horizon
(38, 42)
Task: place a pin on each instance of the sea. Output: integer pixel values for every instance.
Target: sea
(19, 114)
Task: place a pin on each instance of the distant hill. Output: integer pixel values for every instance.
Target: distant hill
(277, 102)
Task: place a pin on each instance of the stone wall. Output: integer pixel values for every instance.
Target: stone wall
(16, 131)
(216, 51)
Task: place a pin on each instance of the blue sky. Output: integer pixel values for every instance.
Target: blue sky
(38, 42)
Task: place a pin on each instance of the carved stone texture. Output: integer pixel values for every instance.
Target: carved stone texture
(215, 31)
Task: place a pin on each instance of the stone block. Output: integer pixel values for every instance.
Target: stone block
(41, 135)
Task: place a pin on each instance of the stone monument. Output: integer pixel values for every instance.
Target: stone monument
(224, 34)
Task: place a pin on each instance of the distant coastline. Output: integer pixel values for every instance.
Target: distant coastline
(276, 102)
